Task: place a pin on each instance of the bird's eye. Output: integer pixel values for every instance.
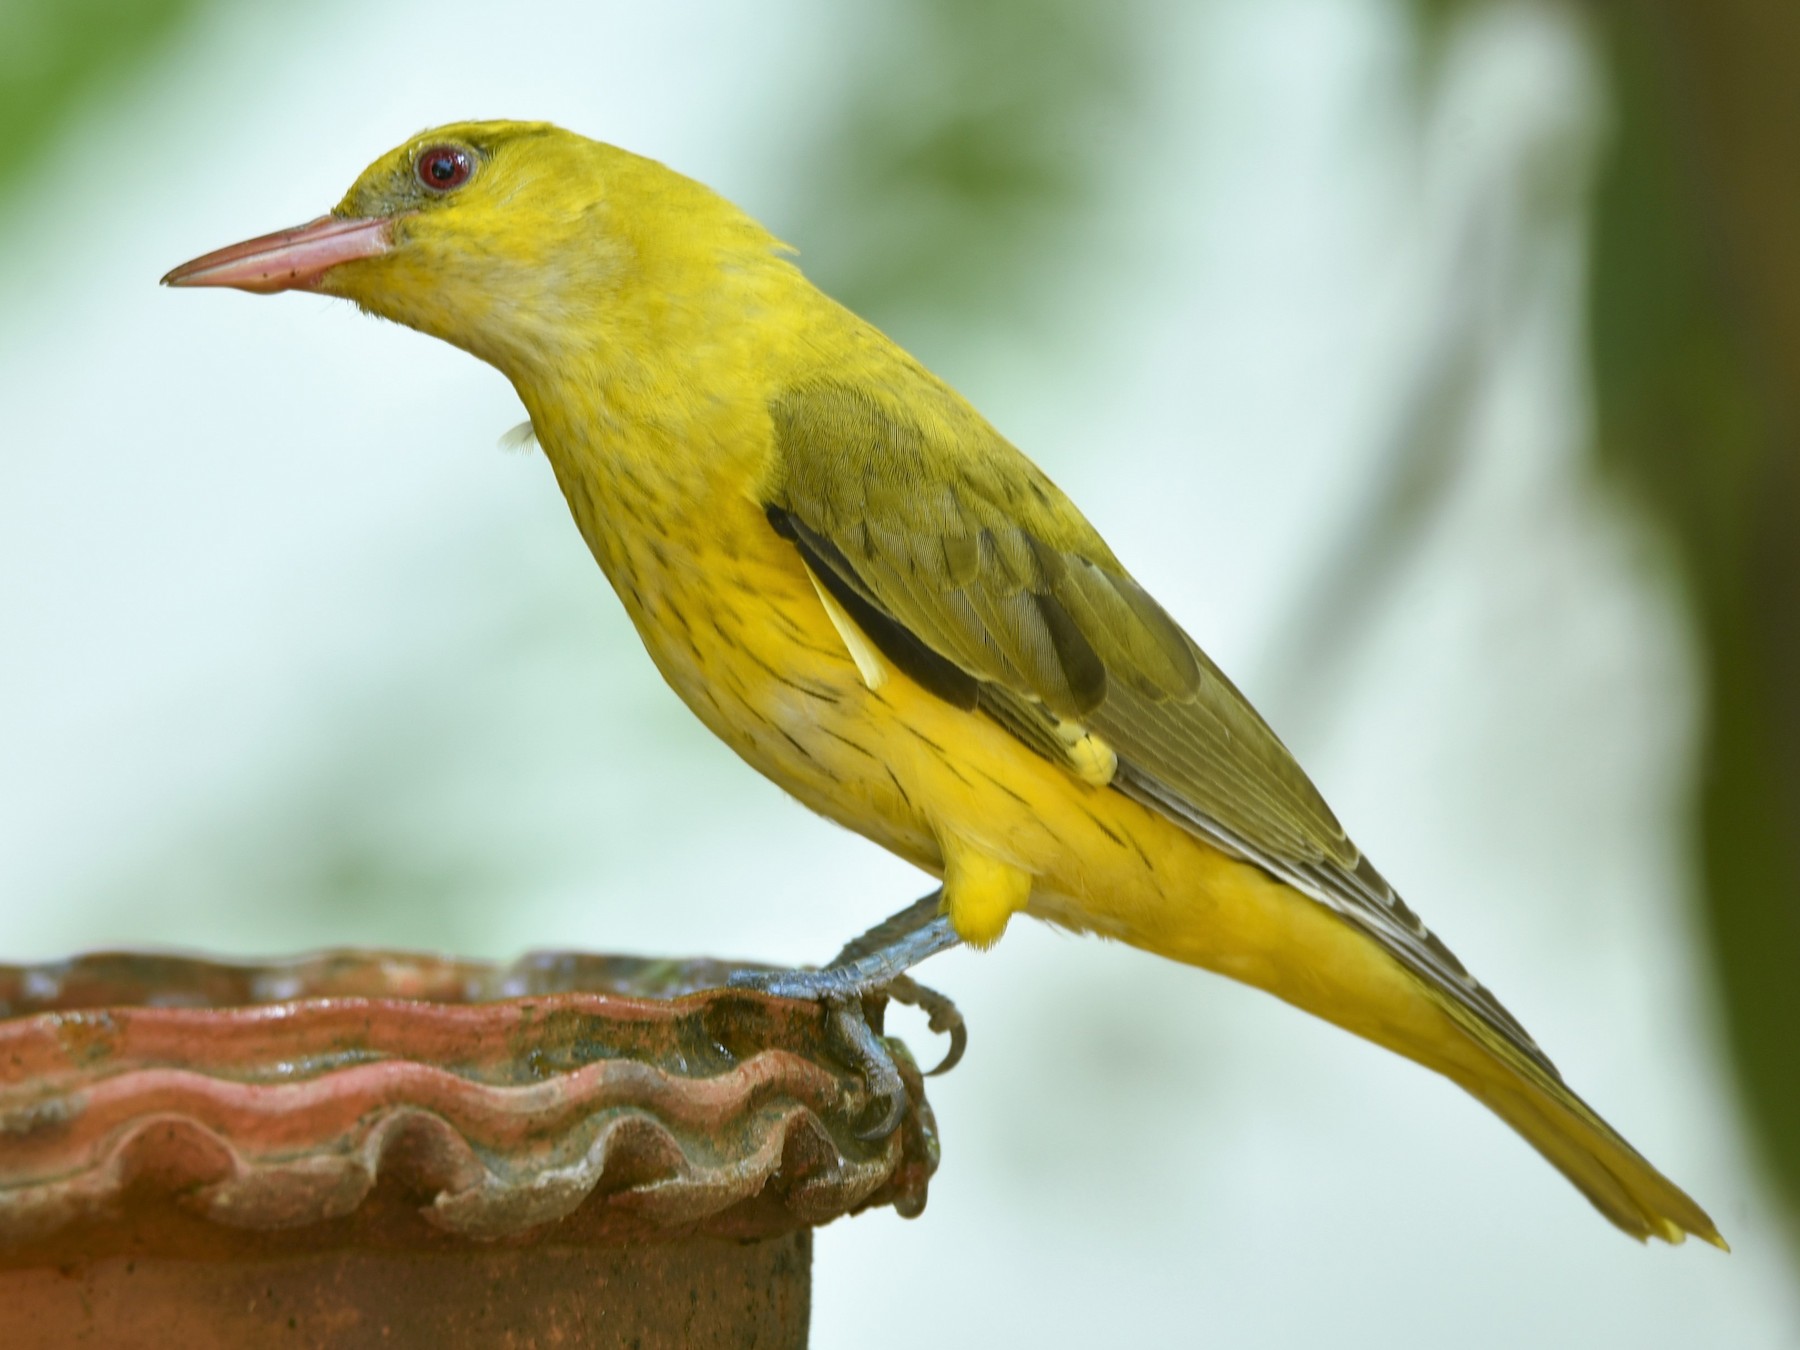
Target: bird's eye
(443, 167)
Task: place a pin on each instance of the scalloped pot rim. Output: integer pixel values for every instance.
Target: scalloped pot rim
(503, 1100)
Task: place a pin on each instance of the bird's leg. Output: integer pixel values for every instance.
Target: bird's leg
(896, 926)
(942, 1015)
(867, 964)
(876, 963)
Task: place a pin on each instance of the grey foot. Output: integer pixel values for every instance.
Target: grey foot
(863, 969)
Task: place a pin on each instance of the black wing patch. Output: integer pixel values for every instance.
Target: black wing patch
(893, 640)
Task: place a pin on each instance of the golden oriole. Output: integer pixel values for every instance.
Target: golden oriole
(882, 605)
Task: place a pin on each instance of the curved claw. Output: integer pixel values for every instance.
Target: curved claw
(847, 1028)
(959, 1042)
(875, 965)
(851, 1034)
(942, 1016)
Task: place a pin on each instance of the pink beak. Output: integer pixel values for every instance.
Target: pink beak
(288, 260)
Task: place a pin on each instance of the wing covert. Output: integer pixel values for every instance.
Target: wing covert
(975, 575)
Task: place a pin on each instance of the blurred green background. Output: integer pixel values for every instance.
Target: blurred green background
(1438, 364)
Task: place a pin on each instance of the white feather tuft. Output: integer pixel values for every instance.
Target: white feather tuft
(521, 437)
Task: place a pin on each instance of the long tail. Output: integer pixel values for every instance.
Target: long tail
(1617, 1179)
(1259, 929)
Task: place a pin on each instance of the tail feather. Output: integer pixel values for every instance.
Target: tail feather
(1617, 1180)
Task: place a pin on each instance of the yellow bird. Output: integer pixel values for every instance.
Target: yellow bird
(882, 605)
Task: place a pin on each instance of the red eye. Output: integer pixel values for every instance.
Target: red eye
(443, 167)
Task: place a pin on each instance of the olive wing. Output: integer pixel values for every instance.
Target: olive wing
(974, 575)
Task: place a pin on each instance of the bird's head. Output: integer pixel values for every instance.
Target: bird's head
(517, 241)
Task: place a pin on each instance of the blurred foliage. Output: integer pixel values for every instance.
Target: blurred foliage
(971, 140)
(1695, 324)
(1493, 249)
(53, 56)
(1694, 331)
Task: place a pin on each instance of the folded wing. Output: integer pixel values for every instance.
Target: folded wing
(971, 572)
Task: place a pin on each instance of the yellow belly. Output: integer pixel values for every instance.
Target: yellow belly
(732, 620)
(738, 631)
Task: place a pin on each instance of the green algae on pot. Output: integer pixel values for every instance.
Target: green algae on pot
(380, 1148)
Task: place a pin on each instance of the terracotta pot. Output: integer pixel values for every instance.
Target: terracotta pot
(381, 1149)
